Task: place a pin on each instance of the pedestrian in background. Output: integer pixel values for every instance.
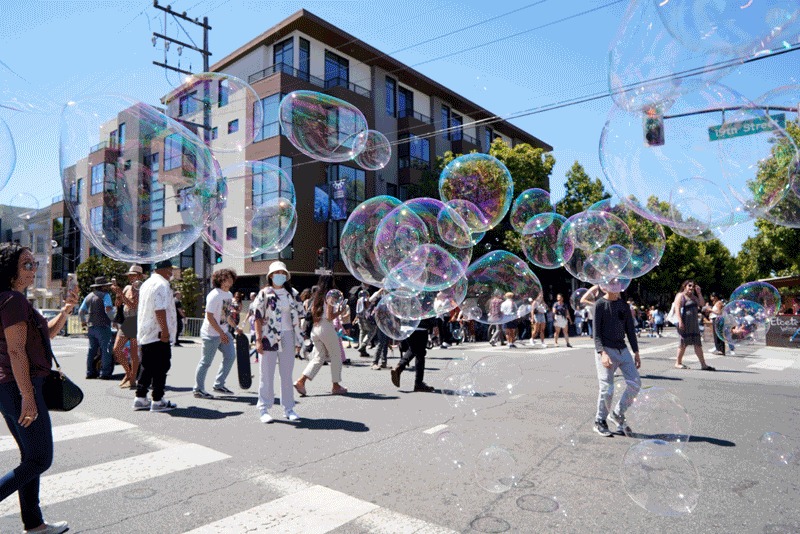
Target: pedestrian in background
(538, 313)
(688, 303)
(128, 298)
(561, 320)
(181, 315)
(95, 312)
(415, 348)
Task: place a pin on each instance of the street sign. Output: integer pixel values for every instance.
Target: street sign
(753, 126)
(323, 271)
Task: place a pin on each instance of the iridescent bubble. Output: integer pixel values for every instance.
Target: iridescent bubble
(334, 298)
(237, 116)
(28, 205)
(358, 239)
(588, 230)
(660, 478)
(453, 229)
(258, 227)
(408, 304)
(490, 278)
(427, 268)
(147, 184)
(615, 285)
(398, 235)
(8, 154)
(496, 470)
(596, 231)
(391, 325)
(776, 449)
(473, 217)
(542, 247)
(657, 413)
(482, 180)
(528, 205)
(745, 323)
(575, 298)
(459, 390)
(376, 153)
(762, 293)
(697, 206)
(323, 127)
(496, 374)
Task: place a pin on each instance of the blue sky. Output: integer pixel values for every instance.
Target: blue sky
(62, 50)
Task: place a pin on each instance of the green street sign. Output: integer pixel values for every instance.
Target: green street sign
(753, 126)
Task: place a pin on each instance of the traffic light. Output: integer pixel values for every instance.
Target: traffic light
(217, 257)
(322, 258)
(653, 128)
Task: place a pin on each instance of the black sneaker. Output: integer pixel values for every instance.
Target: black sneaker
(222, 389)
(619, 421)
(601, 427)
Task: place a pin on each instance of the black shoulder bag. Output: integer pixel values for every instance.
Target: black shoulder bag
(60, 393)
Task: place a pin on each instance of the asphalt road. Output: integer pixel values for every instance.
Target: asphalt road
(388, 460)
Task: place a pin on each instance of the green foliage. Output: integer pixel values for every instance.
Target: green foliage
(189, 287)
(582, 192)
(95, 266)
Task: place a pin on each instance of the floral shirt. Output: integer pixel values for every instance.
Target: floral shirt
(268, 309)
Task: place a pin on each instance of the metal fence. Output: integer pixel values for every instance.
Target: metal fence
(191, 329)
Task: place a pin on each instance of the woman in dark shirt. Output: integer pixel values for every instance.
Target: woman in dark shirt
(25, 360)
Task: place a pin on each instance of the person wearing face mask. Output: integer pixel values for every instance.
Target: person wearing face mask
(277, 324)
(128, 298)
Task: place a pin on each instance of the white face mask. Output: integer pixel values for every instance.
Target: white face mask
(278, 279)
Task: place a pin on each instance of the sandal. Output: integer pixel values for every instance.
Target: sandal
(300, 389)
(339, 391)
(681, 366)
(707, 368)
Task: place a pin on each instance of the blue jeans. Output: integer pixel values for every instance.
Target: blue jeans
(622, 359)
(100, 339)
(36, 449)
(210, 346)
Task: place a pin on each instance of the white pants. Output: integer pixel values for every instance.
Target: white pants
(326, 348)
(266, 386)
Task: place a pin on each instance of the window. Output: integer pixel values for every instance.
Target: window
(121, 135)
(156, 221)
(415, 154)
(283, 56)
(445, 122)
(456, 121)
(112, 139)
(76, 191)
(263, 192)
(354, 193)
(223, 90)
(391, 190)
(269, 110)
(403, 193)
(304, 67)
(391, 96)
(233, 126)
(337, 71)
(40, 244)
(172, 152)
(96, 220)
(187, 104)
(230, 233)
(488, 138)
(214, 133)
(56, 266)
(405, 102)
(98, 175)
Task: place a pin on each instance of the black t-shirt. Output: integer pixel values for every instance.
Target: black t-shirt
(15, 308)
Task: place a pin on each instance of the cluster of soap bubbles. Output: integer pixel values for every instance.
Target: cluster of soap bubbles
(420, 251)
(745, 319)
(661, 150)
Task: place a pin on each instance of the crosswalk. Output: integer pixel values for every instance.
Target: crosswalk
(296, 505)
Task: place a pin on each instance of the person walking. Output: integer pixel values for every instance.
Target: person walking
(157, 326)
(613, 322)
(508, 309)
(382, 350)
(94, 312)
(25, 361)
(324, 338)
(217, 334)
(415, 348)
(366, 322)
(561, 320)
(688, 303)
(658, 321)
(181, 318)
(717, 304)
(538, 312)
(277, 310)
(128, 298)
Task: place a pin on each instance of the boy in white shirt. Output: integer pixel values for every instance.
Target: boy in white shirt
(214, 334)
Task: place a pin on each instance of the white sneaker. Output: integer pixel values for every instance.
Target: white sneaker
(162, 406)
(52, 528)
(141, 403)
(291, 416)
(266, 418)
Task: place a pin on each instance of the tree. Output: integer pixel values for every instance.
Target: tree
(95, 266)
(189, 288)
(582, 192)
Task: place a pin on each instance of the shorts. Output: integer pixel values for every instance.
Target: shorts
(560, 321)
(538, 318)
(510, 324)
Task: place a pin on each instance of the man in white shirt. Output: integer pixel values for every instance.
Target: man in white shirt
(157, 325)
(215, 334)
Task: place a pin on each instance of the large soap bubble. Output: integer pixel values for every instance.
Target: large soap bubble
(358, 239)
(429, 267)
(658, 414)
(776, 449)
(526, 207)
(8, 154)
(376, 153)
(542, 247)
(762, 293)
(496, 470)
(484, 181)
(237, 117)
(490, 278)
(405, 303)
(258, 226)
(391, 325)
(660, 478)
(28, 205)
(140, 185)
(745, 323)
(323, 127)
(597, 240)
(575, 298)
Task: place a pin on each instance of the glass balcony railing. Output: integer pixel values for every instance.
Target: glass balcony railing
(419, 116)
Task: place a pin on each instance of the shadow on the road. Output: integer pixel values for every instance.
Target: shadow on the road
(462, 394)
(369, 396)
(330, 424)
(236, 398)
(173, 388)
(194, 412)
(712, 441)
(661, 377)
(692, 439)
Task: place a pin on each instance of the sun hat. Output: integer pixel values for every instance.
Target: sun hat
(278, 266)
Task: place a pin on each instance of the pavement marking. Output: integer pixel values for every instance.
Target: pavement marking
(74, 431)
(111, 475)
(315, 510)
(383, 521)
(435, 429)
(772, 364)
(660, 348)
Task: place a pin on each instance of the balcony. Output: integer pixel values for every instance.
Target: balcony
(464, 144)
(283, 68)
(416, 123)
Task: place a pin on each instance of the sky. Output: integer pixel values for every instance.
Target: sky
(506, 56)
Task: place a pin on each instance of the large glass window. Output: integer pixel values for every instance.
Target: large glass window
(121, 133)
(223, 90)
(187, 104)
(405, 102)
(352, 183)
(265, 190)
(445, 122)
(172, 152)
(269, 109)
(456, 122)
(304, 67)
(283, 56)
(488, 138)
(337, 70)
(98, 175)
(96, 220)
(391, 96)
(415, 153)
(156, 199)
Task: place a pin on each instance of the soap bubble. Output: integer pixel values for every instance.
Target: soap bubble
(408, 304)
(589, 234)
(452, 228)
(746, 322)
(393, 326)
(459, 391)
(660, 478)
(490, 278)
(542, 247)
(233, 102)
(528, 204)
(762, 293)
(323, 127)
(615, 285)
(8, 154)
(148, 184)
(334, 298)
(473, 217)
(496, 470)
(27, 205)
(658, 414)
(449, 451)
(496, 374)
(264, 225)
(575, 298)
(776, 449)
(482, 180)
(427, 268)
(358, 239)
(376, 153)
(697, 206)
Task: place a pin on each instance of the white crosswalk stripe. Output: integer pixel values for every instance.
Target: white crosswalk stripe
(772, 364)
(74, 431)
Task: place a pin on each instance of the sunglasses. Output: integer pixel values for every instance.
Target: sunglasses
(30, 265)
